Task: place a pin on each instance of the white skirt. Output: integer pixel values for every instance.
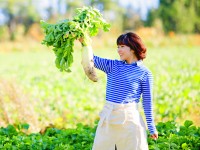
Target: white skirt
(120, 125)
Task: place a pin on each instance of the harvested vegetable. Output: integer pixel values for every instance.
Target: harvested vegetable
(85, 23)
(88, 63)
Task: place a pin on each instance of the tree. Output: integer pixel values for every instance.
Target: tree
(12, 23)
(131, 19)
(27, 15)
(197, 11)
(72, 5)
(180, 16)
(112, 12)
(19, 12)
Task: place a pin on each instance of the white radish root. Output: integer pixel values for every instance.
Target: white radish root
(88, 63)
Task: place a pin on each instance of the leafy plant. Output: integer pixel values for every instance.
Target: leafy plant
(82, 138)
(85, 24)
(186, 137)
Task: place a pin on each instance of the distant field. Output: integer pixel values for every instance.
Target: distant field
(33, 90)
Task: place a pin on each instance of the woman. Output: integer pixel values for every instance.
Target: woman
(121, 126)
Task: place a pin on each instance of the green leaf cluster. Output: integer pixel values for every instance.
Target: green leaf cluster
(85, 23)
(186, 137)
(171, 137)
(53, 139)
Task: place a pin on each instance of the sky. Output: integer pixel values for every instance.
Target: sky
(141, 6)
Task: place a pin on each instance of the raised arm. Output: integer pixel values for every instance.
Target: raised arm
(106, 65)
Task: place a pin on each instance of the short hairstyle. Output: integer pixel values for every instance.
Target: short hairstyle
(135, 43)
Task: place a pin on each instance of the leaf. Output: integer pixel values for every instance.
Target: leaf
(188, 123)
(184, 146)
(25, 126)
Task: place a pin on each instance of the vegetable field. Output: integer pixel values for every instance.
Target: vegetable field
(171, 136)
(33, 91)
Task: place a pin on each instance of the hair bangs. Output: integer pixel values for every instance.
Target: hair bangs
(122, 40)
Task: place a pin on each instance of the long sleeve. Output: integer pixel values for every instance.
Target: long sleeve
(147, 96)
(103, 64)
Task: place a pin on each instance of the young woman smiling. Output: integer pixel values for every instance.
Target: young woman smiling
(121, 126)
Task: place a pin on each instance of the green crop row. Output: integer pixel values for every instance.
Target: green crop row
(171, 137)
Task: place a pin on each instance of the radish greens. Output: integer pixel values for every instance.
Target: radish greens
(85, 23)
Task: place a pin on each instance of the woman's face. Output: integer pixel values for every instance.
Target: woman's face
(125, 53)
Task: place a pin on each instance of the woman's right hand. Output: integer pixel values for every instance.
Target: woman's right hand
(81, 40)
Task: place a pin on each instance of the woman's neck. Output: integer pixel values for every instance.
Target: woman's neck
(131, 60)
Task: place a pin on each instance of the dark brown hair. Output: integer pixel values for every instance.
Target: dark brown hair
(135, 43)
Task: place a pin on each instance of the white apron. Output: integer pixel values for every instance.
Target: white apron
(120, 125)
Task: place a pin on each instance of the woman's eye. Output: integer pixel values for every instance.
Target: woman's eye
(120, 46)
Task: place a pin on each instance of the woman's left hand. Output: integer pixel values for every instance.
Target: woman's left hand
(154, 136)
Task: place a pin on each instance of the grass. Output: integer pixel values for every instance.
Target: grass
(33, 90)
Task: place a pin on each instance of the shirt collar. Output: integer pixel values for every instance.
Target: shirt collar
(138, 63)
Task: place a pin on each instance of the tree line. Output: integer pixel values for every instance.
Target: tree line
(179, 16)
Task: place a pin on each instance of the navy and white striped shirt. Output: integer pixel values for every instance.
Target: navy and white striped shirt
(127, 82)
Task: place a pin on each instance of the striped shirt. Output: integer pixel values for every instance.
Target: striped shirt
(127, 82)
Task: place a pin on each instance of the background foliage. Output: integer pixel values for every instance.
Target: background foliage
(181, 16)
(33, 91)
